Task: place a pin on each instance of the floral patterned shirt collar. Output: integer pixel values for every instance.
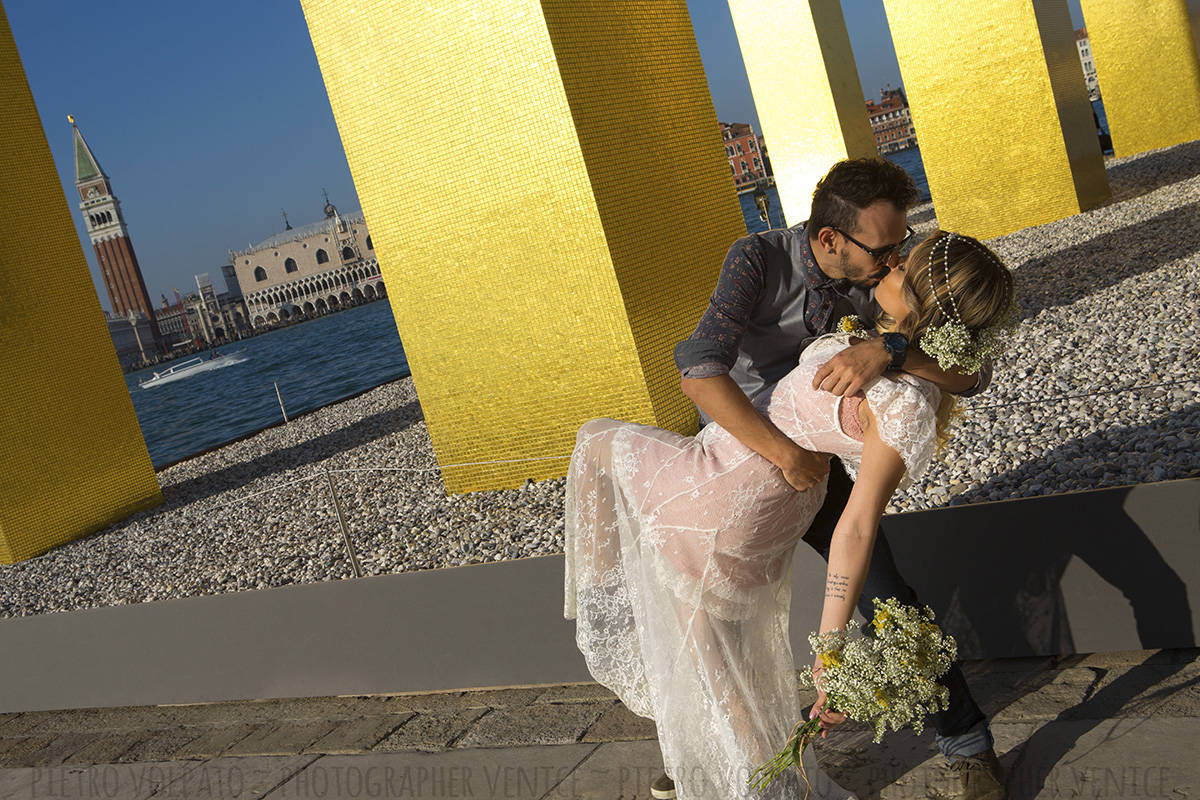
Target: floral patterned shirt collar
(813, 276)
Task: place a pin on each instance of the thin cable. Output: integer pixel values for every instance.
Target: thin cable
(393, 469)
(439, 468)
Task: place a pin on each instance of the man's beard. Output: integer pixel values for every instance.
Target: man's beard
(859, 277)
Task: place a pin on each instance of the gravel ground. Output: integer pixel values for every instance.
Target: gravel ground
(1100, 388)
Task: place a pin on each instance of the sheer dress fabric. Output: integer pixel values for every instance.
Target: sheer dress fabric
(678, 571)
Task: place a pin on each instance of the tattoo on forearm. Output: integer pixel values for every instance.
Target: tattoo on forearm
(837, 586)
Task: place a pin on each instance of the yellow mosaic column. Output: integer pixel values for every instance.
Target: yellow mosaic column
(806, 90)
(550, 201)
(1148, 69)
(1001, 111)
(72, 458)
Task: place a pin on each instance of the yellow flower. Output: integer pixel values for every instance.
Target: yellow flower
(881, 619)
(830, 660)
(881, 698)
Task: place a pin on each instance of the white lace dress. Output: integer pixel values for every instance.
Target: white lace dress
(678, 571)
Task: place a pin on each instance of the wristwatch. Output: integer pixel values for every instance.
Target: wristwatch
(897, 346)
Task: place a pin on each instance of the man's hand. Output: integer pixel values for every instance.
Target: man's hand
(853, 368)
(727, 405)
(805, 469)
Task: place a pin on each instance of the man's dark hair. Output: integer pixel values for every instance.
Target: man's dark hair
(852, 185)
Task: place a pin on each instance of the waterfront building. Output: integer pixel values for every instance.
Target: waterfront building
(132, 338)
(110, 240)
(1089, 66)
(743, 148)
(310, 270)
(203, 316)
(891, 121)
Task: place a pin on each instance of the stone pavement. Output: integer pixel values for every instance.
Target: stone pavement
(1104, 725)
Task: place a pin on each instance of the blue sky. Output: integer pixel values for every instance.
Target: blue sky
(211, 117)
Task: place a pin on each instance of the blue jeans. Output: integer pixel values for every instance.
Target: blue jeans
(962, 729)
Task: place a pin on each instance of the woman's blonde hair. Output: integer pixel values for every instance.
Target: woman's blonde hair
(952, 278)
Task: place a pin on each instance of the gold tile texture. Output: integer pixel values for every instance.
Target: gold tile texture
(806, 91)
(72, 457)
(550, 204)
(1149, 71)
(1001, 111)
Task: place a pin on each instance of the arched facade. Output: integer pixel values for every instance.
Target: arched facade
(309, 271)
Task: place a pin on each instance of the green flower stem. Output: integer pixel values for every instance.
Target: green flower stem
(790, 756)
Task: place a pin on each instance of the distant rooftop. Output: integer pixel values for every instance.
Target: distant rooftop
(295, 234)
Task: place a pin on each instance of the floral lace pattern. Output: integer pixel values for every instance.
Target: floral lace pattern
(679, 558)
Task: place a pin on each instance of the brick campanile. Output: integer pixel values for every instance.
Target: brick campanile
(110, 238)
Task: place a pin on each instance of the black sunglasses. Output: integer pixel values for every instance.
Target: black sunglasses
(881, 254)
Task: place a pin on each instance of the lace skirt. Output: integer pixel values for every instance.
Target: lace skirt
(679, 556)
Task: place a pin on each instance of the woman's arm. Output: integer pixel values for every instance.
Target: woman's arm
(854, 537)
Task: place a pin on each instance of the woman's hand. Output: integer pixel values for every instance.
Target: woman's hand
(829, 717)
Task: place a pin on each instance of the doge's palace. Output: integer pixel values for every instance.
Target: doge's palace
(311, 270)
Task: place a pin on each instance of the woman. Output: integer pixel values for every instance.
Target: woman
(679, 549)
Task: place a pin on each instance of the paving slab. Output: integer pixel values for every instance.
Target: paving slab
(618, 724)
(517, 773)
(108, 748)
(98, 719)
(161, 746)
(435, 730)
(212, 742)
(615, 770)
(902, 760)
(242, 778)
(100, 782)
(532, 725)
(1066, 690)
(430, 701)
(287, 738)
(60, 748)
(1154, 757)
(577, 693)
(357, 735)
(501, 698)
(14, 751)
(233, 712)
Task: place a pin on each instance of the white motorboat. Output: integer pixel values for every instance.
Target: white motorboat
(193, 366)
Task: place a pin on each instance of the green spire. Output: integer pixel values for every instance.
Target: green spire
(86, 165)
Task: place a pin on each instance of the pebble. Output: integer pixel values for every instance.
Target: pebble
(1099, 387)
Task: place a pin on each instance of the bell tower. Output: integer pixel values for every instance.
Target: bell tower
(110, 238)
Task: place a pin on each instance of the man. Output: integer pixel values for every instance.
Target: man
(777, 292)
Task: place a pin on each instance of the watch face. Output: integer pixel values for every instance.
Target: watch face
(895, 342)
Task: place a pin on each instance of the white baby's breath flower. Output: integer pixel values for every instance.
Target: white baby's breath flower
(887, 678)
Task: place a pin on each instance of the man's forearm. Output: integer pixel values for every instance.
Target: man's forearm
(727, 405)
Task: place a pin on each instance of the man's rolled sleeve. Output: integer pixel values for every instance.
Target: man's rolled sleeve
(712, 348)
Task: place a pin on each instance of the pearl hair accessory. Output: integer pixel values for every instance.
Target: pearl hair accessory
(952, 343)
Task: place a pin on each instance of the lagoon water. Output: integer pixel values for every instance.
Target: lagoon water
(315, 363)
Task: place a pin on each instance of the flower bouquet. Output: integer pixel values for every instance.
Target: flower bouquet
(887, 678)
